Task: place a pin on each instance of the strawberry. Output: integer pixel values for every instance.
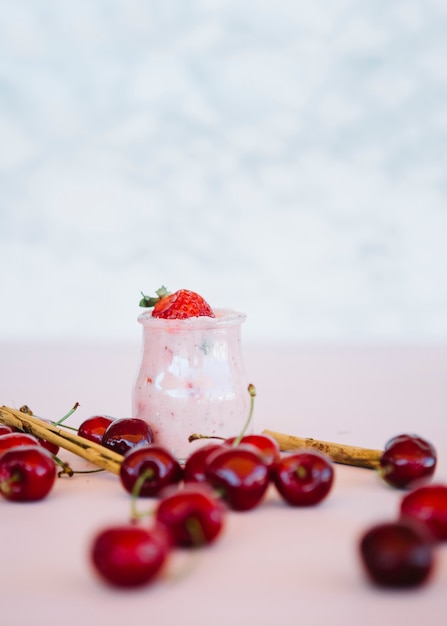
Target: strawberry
(179, 305)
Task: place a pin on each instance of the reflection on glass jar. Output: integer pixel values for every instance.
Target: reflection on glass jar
(191, 379)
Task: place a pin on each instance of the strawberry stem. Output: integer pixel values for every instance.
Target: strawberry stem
(150, 301)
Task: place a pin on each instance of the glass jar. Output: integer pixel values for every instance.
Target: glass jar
(192, 379)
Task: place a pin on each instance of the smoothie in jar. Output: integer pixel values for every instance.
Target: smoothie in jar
(191, 379)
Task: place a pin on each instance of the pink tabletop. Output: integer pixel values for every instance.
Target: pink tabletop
(273, 565)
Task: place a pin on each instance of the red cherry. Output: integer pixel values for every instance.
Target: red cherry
(16, 440)
(267, 447)
(407, 461)
(304, 478)
(124, 434)
(192, 515)
(129, 555)
(196, 463)
(5, 430)
(397, 554)
(26, 473)
(93, 428)
(408, 437)
(158, 465)
(240, 475)
(427, 504)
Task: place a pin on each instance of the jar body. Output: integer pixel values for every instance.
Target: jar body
(191, 379)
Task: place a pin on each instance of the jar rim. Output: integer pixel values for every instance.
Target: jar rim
(223, 317)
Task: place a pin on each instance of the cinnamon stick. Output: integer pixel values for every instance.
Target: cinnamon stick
(93, 452)
(339, 453)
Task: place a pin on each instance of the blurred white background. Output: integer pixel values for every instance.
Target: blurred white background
(284, 158)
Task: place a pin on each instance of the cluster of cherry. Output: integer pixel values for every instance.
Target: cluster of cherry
(234, 474)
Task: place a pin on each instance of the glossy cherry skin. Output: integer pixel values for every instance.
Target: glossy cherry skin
(240, 475)
(26, 473)
(407, 461)
(427, 504)
(303, 478)
(409, 437)
(93, 428)
(16, 440)
(196, 463)
(129, 555)
(192, 515)
(124, 434)
(267, 447)
(162, 468)
(5, 429)
(397, 554)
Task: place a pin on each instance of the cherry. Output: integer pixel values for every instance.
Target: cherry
(427, 504)
(5, 430)
(124, 434)
(407, 461)
(129, 555)
(303, 478)
(397, 554)
(192, 515)
(239, 474)
(27, 473)
(267, 447)
(408, 437)
(148, 469)
(93, 428)
(16, 440)
(196, 463)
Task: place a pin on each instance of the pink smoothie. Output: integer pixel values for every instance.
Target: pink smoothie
(191, 379)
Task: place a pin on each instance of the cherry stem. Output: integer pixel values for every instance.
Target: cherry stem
(146, 475)
(195, 531)
(66, 470)
(70, 412)
(5, 485)
(66, 426)
(196, 436)
(252, 392)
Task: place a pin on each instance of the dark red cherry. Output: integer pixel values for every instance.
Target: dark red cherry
(427, 504)
(5, 430)
(124, 434)
(93, 428)
(407, 461)
(240, 475)
(27, 473)
(192, 515)
(397, 554)
(158, 465)
(267, 447)
(303, 478)
(129, 555)
(16, 440)
(196, 463)
(409, 437)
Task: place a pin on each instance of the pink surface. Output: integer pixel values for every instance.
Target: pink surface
(273, 565)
